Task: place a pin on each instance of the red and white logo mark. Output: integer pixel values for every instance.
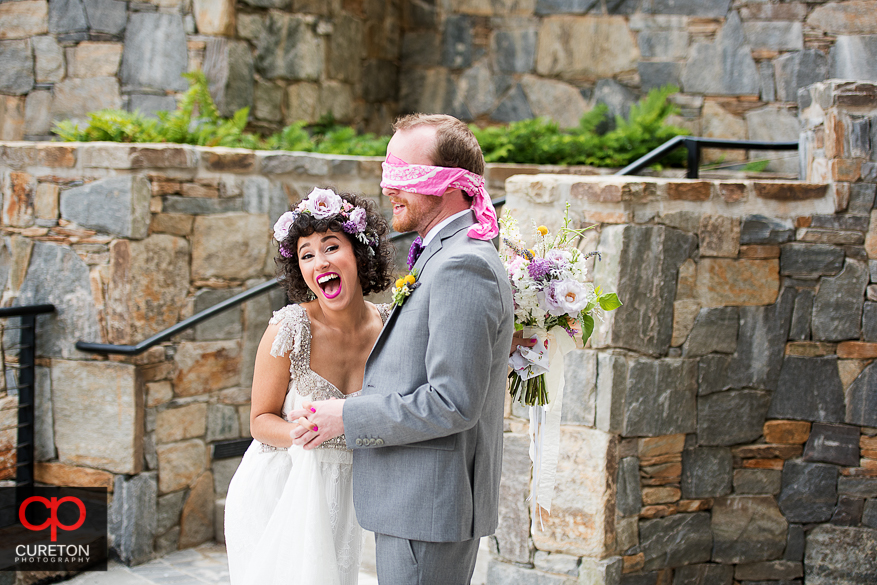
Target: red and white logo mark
(52, 505)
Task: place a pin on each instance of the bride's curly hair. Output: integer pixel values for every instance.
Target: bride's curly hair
(374, 263)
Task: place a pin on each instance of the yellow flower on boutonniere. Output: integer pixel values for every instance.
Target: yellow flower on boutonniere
(404, 287)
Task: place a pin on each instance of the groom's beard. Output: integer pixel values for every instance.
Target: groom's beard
(417, 211)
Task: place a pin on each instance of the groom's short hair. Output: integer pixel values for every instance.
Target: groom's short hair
(455, 145)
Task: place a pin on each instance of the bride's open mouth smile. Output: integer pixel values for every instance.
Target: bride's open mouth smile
(330, 283)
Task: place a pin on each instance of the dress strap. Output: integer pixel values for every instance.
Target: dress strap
(293, 337)
(384, 309)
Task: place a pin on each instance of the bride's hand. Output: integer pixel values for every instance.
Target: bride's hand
(518, 340)
(322, 422)
(302, 426)
(307, 409)
(299, 418)
(302, 423)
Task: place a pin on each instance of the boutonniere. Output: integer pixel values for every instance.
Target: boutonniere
(404, 287)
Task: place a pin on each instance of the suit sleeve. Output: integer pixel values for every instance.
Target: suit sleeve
(465, 312)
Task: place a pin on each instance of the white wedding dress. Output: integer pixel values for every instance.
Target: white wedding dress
(289, 515)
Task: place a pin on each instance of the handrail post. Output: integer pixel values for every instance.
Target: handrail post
(693, 147)
(24, 476)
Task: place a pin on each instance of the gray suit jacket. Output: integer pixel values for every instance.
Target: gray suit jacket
(427, 430)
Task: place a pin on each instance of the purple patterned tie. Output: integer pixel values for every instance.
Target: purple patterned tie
(415, 252)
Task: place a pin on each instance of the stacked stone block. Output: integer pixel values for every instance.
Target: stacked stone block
(65, 58)
(732, 391)
(739, 64)
(8, 436)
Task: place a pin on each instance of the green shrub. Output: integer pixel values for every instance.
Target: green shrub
(539, 141)
(197, 121)
(542, 141)
(110, 126)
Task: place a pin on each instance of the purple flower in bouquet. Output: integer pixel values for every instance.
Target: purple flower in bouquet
(557, 258)
(539, 268)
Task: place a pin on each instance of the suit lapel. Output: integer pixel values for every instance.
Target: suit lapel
(380, 340)
(435, 244)
(462, 222)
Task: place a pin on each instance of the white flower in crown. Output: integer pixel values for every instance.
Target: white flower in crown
(281, 228)
(323, 203)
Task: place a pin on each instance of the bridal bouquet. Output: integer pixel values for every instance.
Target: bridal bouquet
(550, 296)
(554, 303)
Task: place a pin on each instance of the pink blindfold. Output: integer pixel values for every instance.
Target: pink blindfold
(429, 180)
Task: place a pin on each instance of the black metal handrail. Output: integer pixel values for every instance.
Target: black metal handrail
(694, 144)
(27, 343)
(108, 348)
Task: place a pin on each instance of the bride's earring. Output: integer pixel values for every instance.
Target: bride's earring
(311, 296)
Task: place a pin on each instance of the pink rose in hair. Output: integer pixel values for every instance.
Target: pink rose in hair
(323, 203)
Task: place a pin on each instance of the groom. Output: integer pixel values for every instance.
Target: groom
(426, 433)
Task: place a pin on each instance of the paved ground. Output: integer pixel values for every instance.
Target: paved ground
(207, 564)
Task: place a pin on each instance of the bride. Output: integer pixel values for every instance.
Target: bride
(289, 512)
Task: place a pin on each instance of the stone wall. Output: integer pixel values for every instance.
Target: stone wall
(286, 61)
(721, 426)
(739, 63)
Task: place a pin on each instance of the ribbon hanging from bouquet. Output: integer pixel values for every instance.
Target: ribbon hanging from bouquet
(545, 420)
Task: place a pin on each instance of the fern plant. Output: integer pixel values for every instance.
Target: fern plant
(643, 130)
(293, 137)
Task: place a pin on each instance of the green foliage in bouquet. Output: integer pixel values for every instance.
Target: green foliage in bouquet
(542, 141)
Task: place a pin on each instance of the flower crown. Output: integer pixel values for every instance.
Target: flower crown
(322, 204)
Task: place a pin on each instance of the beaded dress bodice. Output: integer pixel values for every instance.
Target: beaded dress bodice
(294, 341)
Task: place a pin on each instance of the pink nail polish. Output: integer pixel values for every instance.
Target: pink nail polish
(316, 428)
(313, 409)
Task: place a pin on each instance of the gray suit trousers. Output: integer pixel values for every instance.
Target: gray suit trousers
(414, 562)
